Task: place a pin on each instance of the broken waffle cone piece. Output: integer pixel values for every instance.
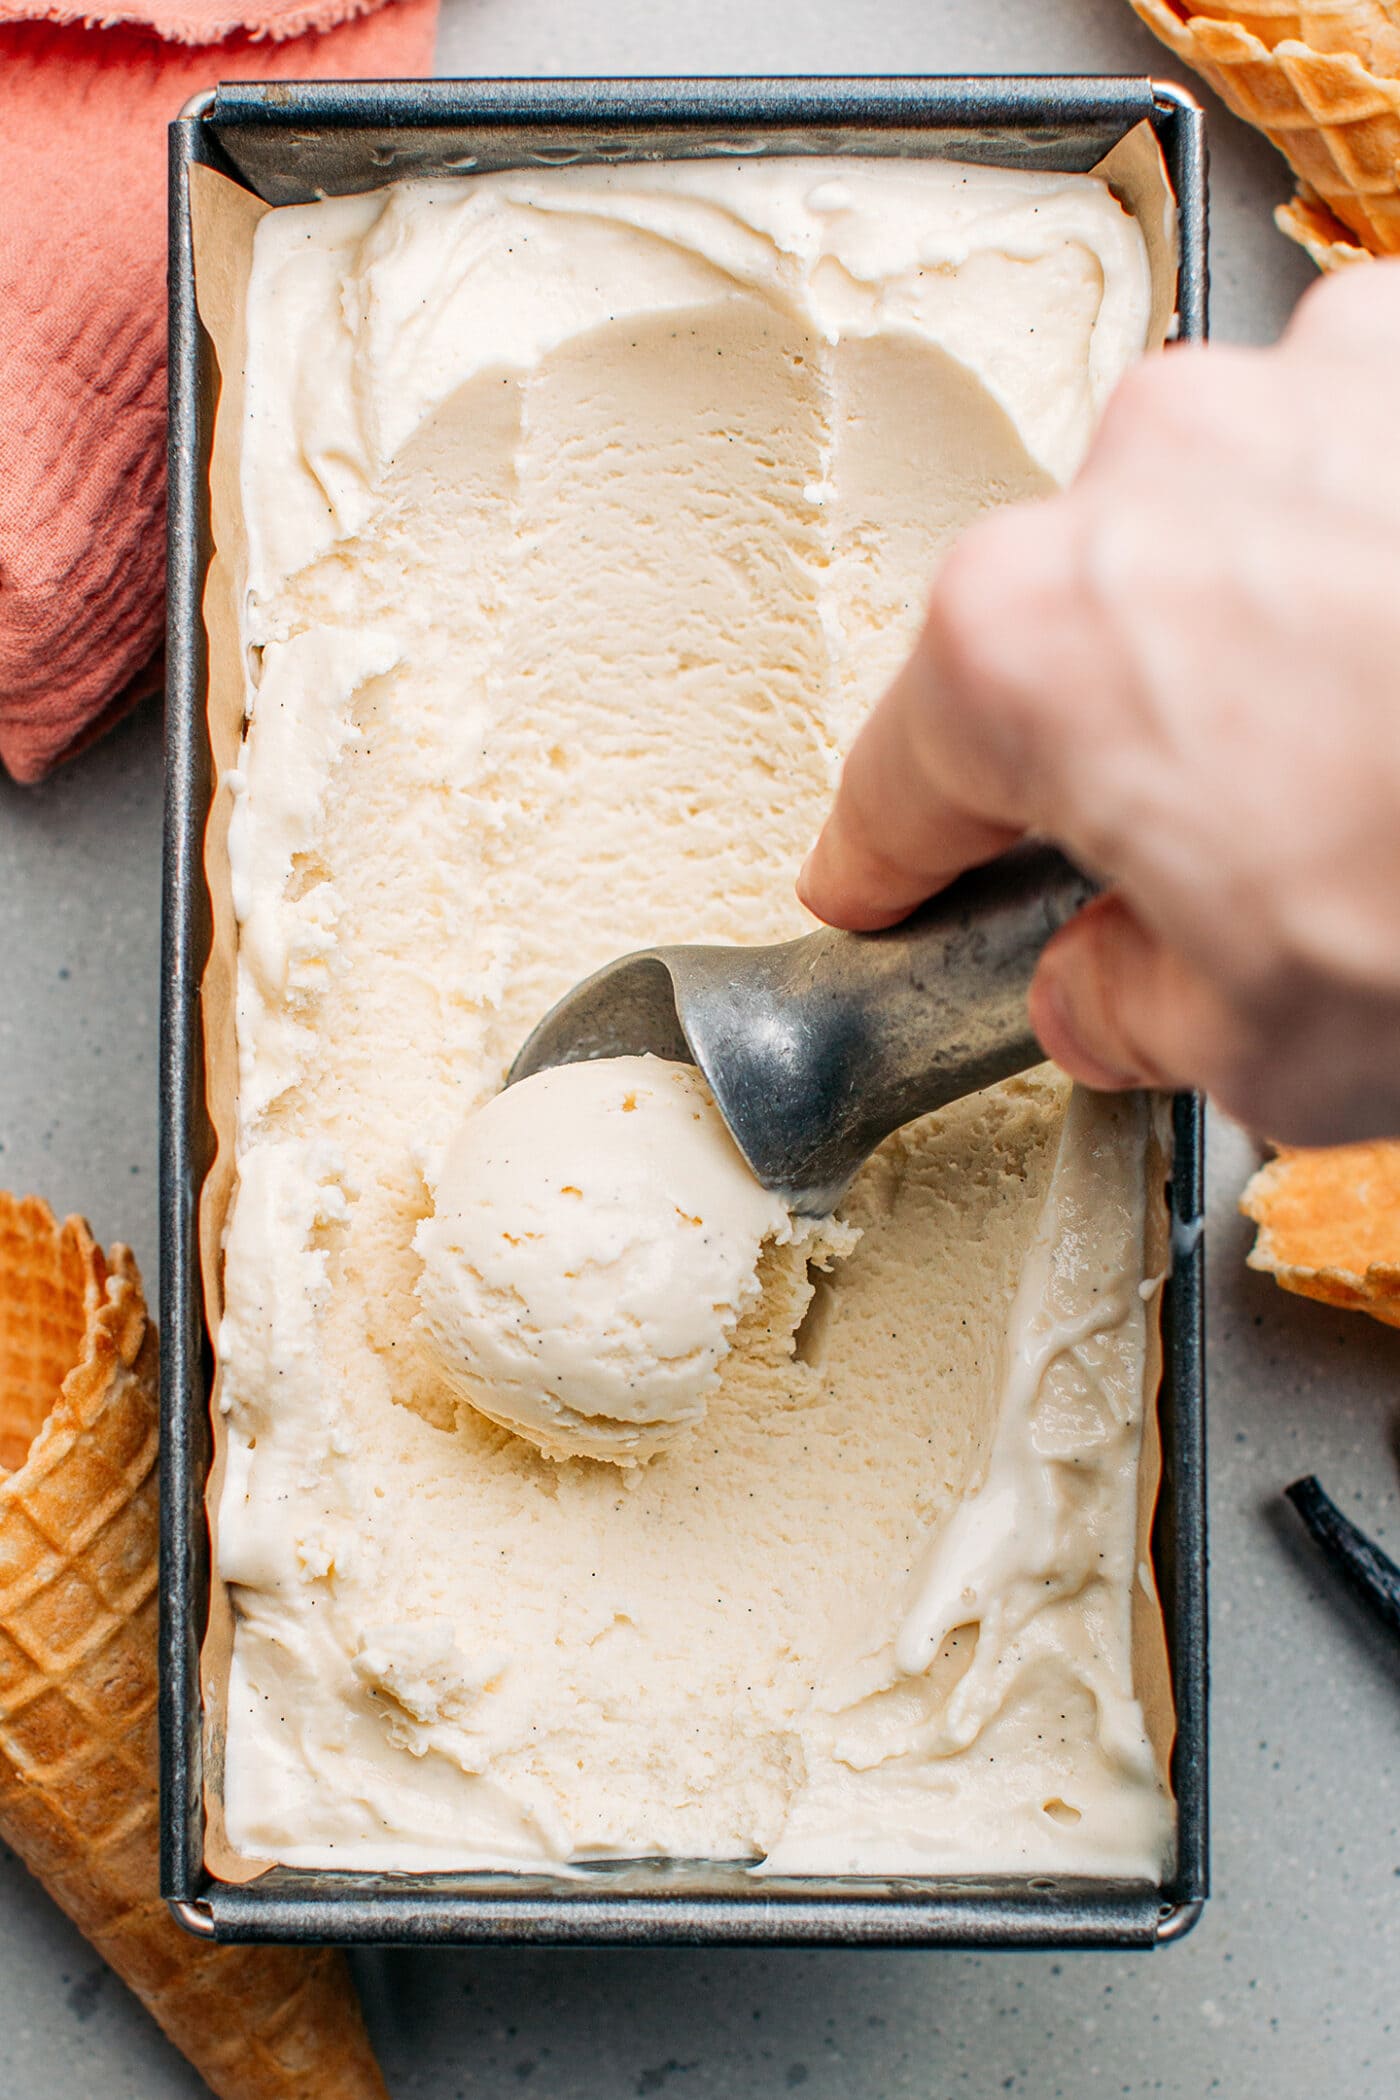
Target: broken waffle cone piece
(1307, 221)
(78, 1750)
(1329, 1225)
(1322, 83)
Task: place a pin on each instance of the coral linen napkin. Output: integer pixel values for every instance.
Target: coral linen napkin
(83, 115)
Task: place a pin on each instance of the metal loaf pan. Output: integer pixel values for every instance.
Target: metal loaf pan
(290, 143)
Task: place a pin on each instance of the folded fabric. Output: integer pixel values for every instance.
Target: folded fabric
(83, 116)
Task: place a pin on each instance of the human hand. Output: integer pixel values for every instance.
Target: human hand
(1184, 670)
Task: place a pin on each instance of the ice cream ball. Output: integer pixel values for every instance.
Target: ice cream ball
(594, 1240)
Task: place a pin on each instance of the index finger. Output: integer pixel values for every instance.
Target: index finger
(894, 834)
(932, 784)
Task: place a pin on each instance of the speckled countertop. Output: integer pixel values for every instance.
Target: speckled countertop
(1288, 1987)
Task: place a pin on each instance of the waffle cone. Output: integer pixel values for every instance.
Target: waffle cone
(1307, 221)
(1329, 1225)
(1370, 29)
(1322, 83)
(78, 1750)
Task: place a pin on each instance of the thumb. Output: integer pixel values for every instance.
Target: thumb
(1115, 1007)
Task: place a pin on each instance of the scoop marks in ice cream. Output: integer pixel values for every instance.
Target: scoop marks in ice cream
(594, 1239)
(588, 511)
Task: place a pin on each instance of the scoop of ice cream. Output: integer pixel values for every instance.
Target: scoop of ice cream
(595, 1238)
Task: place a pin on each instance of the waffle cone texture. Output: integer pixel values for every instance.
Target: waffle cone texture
(78, 1750)
(1329, 1225)
(1322, 82)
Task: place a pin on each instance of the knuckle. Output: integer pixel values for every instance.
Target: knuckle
(995, 598)
(1328, 311)
(990, 591)
(1151, 397)
(1177, 406)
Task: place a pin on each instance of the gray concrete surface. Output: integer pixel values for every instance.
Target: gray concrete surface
(1288, 1986)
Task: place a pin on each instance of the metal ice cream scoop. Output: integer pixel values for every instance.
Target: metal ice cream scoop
(816, 1049)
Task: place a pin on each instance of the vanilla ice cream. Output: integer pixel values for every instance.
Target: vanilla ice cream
(595, 1236)
(588, 510)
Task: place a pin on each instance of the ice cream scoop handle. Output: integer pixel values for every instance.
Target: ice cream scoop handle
(940, 1000)
(816, 1051)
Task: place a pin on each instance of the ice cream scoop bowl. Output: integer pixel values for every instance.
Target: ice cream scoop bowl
(817, 1049)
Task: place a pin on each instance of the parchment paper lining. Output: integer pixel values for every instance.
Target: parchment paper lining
(224, 219)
